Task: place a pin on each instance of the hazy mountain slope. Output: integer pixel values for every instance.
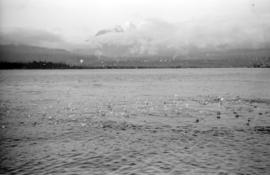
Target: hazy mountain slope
(225, 58)
(25, 53)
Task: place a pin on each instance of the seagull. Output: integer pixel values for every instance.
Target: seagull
(248, 123)
(218, 114)
(220, 100)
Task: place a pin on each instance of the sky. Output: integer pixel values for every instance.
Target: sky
(136, 26)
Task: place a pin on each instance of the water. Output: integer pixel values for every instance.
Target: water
(135, 121)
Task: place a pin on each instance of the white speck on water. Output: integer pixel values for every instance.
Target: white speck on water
(83, 124)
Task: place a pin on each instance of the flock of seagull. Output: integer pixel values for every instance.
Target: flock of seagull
(218, 114)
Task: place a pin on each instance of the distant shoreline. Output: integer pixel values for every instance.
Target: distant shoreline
(51, 65)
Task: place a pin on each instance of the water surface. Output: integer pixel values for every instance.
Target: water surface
(140, 121)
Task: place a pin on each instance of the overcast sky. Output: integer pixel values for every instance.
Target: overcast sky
(75, 21)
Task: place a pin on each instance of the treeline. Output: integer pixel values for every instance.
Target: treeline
(133, 64)
(51, 65)
(263, 63)
(34, 65)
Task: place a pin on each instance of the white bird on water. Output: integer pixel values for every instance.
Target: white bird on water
(81, 61)
(220, 100)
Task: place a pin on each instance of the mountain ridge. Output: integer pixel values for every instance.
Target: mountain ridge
(223, 58)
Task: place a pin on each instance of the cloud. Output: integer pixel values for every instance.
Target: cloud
(156, 37)
(117, 29)
(31, 37)
(142, 38)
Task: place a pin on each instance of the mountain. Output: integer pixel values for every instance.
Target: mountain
(26, 53)
(197, 58)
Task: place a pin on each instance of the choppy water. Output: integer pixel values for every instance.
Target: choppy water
(150, 121)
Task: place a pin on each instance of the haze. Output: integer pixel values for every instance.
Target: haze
(136, 27)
